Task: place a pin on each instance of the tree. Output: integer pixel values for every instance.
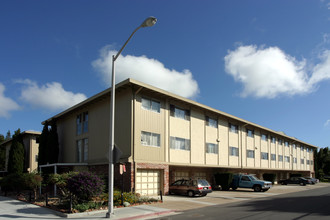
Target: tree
(2, 138)
(52, 144)
(16, 154)
(8, 136)
(322, 162)
(43, 141)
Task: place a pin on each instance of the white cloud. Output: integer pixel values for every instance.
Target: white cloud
(51, 96)
(147, 70)
(6, 103)
(327, 123)
(270, 72)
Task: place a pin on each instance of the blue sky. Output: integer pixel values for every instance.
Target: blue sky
(267, 62)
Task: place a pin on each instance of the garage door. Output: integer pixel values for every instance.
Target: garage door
(148, 182)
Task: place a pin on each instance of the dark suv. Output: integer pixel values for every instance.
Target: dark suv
(190, 187)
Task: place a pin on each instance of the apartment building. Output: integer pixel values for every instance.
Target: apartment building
(31, 149)
(165, 137)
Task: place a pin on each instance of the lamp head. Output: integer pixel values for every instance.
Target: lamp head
(149, 22)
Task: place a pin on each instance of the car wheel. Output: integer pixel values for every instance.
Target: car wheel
(302, 184)
(204, 194)
(191, 193)
(257, 188)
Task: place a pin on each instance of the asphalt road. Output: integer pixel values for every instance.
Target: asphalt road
(303, 205)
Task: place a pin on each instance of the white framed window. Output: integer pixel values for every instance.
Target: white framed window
(250, 153)
(287, 159)
(280, 158)
(273, 140)
(250, 133)
(82, 150)
(273, 156)
(294, 160)
(233, 128)
(82, 123)
(150, 139)
(150, 105)
(211, 148)
(179, 113)
(264, 156)
(286, 144)
(233, 151)
(211, 122)
(307, 149)
(280, 141)
(294, 146)
(264, 137)
(180, 143)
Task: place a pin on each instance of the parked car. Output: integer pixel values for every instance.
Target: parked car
(190, 187)
(295, 180)
(313, 180)
(250, 181)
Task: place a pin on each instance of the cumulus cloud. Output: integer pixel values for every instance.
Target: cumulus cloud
(270, 72)
(327, 123)
(51, 96)
(6, 103)
(147, 70)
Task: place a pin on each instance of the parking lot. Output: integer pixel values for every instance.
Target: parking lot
(181, 203)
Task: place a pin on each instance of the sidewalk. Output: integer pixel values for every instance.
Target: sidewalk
(11, 208)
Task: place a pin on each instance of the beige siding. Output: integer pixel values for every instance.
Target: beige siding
(197, 137)
(224, 142)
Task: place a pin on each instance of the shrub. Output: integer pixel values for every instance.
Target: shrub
(269, 177)
(61, 182)
(224, 180)
(85, 186)
(32, 181)
(12, 182)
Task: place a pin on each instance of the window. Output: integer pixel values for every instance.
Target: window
(179, 113)
(286, 144)
(280, 158)
(264, 137)
(211, 122)
(78, 124)
(287, 159)
(82, 123)
(264, 156)
(36, 158)
(85, 122)
(82, 150)
(307, 162)
(294, 146)
(273, 139)
(294, 160)
(250, 133)
(233, 151)
(250, 153)
(280, 141)
(150, 139)
(180, 143)
(307, 149)
(211, 148)
(233, 128)
(311, 150)
(273, 156)
(311, 162)
(151, 105)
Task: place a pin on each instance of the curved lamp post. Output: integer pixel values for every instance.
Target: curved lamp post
(147, 23)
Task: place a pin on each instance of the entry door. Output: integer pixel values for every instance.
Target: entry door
(148, 182)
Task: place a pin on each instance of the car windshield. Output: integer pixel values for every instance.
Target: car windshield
(203, 182)
(254, 177)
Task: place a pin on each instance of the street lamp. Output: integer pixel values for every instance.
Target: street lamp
(147, 23)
